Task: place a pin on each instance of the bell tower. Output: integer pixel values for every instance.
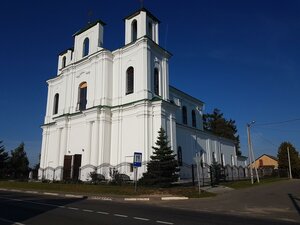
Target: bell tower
(139, 24)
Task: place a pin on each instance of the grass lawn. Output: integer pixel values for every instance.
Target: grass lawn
(104, 189)
(247, 183)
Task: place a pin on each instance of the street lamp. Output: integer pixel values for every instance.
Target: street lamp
(251, 153)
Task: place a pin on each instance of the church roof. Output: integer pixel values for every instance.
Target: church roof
(88, 26)
(142, 10)
(187, 95)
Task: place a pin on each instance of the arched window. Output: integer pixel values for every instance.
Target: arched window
(129, 80)
(63, 62)
(55, 103)
(82, 96)
(184, 115)
(179, 156)
(86, 46)
(193, 118)
(150, 30)
(156, 81)
(134, 30)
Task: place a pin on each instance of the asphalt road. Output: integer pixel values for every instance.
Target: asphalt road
(278, 200)
(28, 209)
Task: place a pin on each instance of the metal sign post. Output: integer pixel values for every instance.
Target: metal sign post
(137, 162)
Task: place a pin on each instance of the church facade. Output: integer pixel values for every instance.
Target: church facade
(105, 105)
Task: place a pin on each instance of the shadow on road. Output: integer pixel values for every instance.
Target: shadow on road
(17, 207)
(295, 202)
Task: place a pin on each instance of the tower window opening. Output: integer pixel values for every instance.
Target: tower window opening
(129, 80)
(86, 46)
(82, 96)
(134, 30)
(156, 81)
(55, 105)
(63, 62)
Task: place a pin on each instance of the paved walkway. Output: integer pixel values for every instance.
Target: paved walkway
(278, 200)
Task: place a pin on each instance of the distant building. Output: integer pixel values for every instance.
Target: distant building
(266, 165)
(104, 105)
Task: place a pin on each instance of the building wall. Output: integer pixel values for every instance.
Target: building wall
(192, 140)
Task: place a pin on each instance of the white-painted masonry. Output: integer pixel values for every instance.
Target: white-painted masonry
(105, 105)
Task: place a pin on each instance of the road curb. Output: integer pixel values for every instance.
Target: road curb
(100, 198)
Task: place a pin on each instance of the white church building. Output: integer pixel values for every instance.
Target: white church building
(105, 105)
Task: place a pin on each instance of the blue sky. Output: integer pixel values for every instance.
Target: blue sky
(239, 56)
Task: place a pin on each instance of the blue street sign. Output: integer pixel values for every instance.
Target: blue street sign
(137, 159)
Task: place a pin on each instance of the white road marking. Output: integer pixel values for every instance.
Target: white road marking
(173, 198)
(141, 218)
(50, 193)
(31, 192)
(104, 213)
(11, 222)
(87, 210)
(99, 198)
(164, 222)
(73, 196)
(73, 208)
(120, 215)
(136, 199)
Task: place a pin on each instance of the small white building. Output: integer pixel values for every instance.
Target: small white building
(105, 105)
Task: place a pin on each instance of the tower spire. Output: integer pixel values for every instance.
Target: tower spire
(90, 15)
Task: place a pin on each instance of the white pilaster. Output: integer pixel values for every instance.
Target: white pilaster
(95, 144)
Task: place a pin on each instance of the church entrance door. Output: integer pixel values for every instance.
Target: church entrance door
(76, 166)
(67, 167)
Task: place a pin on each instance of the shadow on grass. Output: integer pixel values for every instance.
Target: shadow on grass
(295, 202)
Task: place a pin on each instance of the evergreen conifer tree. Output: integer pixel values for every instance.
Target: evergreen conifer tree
(19, 162)
(3, 160)
(218, 125)
(163, 168)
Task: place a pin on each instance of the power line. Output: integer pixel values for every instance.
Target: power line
(276, 123)
(280, 130)
(265, 139)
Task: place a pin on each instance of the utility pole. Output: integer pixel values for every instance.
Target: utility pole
(255, 168)
(249, 149)
(251, 154)
(289, 159)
